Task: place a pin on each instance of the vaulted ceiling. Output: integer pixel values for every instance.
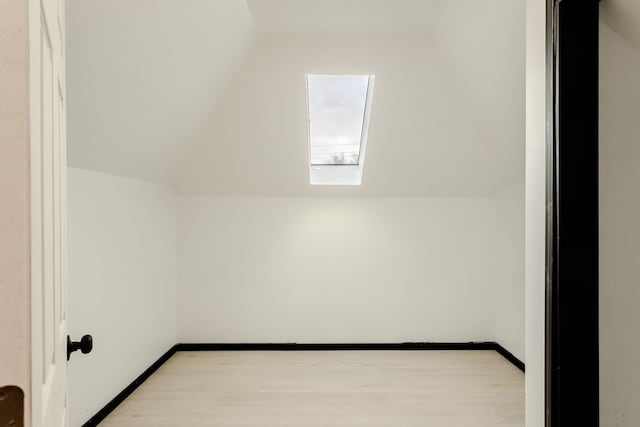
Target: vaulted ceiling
(209, 95)
(623, 16)
(143, 75)
(345, 18)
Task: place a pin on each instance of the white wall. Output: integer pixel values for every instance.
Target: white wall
(509, 270)
(121, 283)
(619, 230)
(280, 270)
(335, 270)
(535, 212)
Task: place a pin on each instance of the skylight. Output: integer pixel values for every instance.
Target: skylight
(339, 107)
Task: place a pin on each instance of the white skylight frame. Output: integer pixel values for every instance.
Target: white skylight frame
(341, 174)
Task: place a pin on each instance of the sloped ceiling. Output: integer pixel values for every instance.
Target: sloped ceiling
(345, 17)
(484, 44)
(142, 74)
(623, 16)
(209, 96)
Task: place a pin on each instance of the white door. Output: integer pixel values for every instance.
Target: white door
(48, 213)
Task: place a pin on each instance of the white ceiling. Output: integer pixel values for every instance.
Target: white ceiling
(623, 16)
(142, 74)
(345, 17)
(209, 95)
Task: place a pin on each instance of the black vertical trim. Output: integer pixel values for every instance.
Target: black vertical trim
(572, 251)
(551, 232)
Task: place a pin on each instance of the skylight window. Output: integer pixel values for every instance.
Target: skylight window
(339, 108)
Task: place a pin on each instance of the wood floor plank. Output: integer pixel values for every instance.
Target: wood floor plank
(328, 388)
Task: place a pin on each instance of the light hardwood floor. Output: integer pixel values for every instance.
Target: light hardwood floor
(330, 388)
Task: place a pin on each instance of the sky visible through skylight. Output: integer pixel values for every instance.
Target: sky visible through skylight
(336, 114)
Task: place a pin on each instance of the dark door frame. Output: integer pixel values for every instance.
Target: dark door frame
(572, 362)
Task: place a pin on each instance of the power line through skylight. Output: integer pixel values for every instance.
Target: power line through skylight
(339, 108)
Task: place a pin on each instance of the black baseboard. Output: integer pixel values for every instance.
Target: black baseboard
(113, 404)
(410, 346)
(335, 347)
(510, 357)
(474, 345)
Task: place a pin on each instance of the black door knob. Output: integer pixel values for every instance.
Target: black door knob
(85, 345)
